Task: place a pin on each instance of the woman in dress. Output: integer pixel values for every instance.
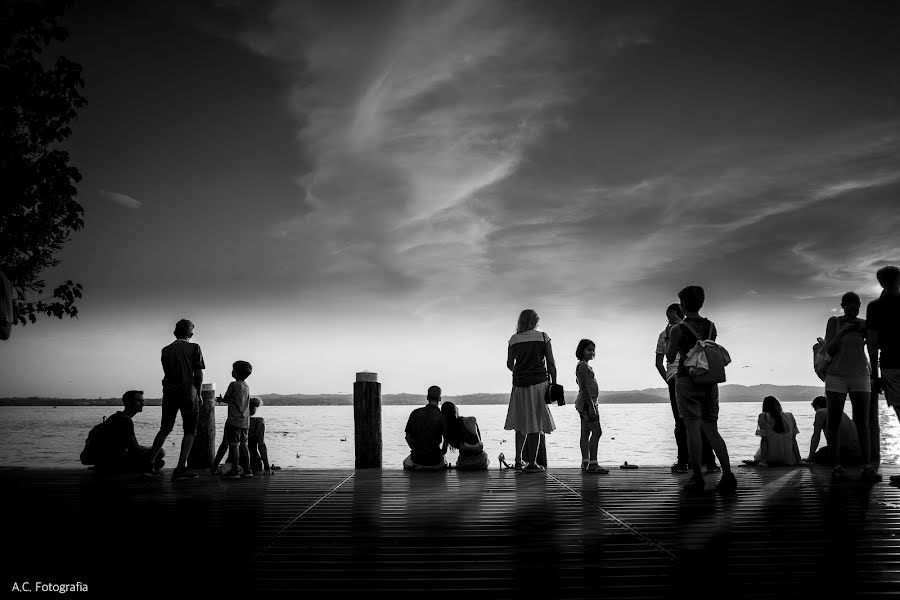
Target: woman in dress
(530, 358)
(848, 374)
(778, 432)
(462, 434)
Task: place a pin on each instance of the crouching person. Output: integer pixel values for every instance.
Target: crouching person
(112, 447)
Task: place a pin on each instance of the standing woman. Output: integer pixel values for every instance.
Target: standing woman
(530, 358)
(848, 373)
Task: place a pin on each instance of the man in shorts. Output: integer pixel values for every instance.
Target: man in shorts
(698, 403)
(182, 363)
(883, 344)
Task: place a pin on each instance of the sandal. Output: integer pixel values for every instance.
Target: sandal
(595, 468)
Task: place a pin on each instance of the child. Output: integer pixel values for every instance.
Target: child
(237, 425)
(259, 455)
(587, 406)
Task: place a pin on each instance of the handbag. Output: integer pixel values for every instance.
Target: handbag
(555, 392)
(821, 358)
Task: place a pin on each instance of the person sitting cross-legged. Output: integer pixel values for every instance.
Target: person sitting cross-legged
(112, 446)
(424, 434)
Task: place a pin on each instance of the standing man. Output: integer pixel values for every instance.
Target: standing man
(424, 434)
(182, 363)
(682, 464)
(697, 402)
(883, 334)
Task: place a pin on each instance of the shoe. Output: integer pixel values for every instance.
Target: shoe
(695, 485)
(595, 468)
(728, 484)
(584, 464)
(870, 474)
(713, 468)
(247, 475)
(518, 466)
(183, 473)
(679, 467)
(750, 462)
(533, 468)
(837, 473)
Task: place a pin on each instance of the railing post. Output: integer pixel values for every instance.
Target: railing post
(367, 420)
(204, 447)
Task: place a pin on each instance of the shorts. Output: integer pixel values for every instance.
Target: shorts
(697, 400)
(236, 435)
(840, 384)
(890, 383)
(182, 398)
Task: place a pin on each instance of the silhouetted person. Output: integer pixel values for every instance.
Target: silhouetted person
(424, 434)
(698, 403)
(778, 436)
(588, 406)
(256, 440)
(883, 345)
(7, 317)
(530, 358)
(462, 434)
(113, 447)
(237, 425)
(674, 316)
(847, 437)
(182, 363)
(848, 374)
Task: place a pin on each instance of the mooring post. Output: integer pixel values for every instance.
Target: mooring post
(367, 420)
(204, 448)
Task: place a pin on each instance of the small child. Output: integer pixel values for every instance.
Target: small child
(237, 426)
(259, 455)
(587, 406)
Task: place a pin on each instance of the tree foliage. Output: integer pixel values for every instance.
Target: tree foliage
(38, 211)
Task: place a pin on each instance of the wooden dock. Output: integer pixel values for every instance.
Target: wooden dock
(499, 534)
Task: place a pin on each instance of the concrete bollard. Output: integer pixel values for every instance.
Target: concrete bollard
(367, 420)
(204, 448)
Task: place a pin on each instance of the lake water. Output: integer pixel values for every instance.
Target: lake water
(321, 437)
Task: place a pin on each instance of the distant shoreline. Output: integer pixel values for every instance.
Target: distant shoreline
(727, 393)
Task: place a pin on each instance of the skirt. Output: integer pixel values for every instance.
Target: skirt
(528, 412)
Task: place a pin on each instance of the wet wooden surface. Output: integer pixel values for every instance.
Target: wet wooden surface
(502, 534)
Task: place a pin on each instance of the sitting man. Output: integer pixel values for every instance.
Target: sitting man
(112, 446)
(849, 440)
(424, 435)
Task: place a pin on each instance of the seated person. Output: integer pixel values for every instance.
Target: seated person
(462, 433)
(112, 446)
(778, 432)
(424, 432)
(849, 439)
(256, 441)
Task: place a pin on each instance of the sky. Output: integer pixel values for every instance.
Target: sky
(330, 187)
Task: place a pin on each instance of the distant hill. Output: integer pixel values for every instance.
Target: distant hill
(727, 393)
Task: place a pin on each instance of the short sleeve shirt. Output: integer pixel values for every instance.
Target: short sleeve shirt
(179, 361)
(238, 398)
(662, 346)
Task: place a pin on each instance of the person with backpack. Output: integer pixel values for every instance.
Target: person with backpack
(698, 399)
(848, 374)
(112, 447)
(674, 316)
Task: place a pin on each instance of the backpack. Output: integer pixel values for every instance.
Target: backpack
(821, 358)
(707, 360)
(96, 442)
